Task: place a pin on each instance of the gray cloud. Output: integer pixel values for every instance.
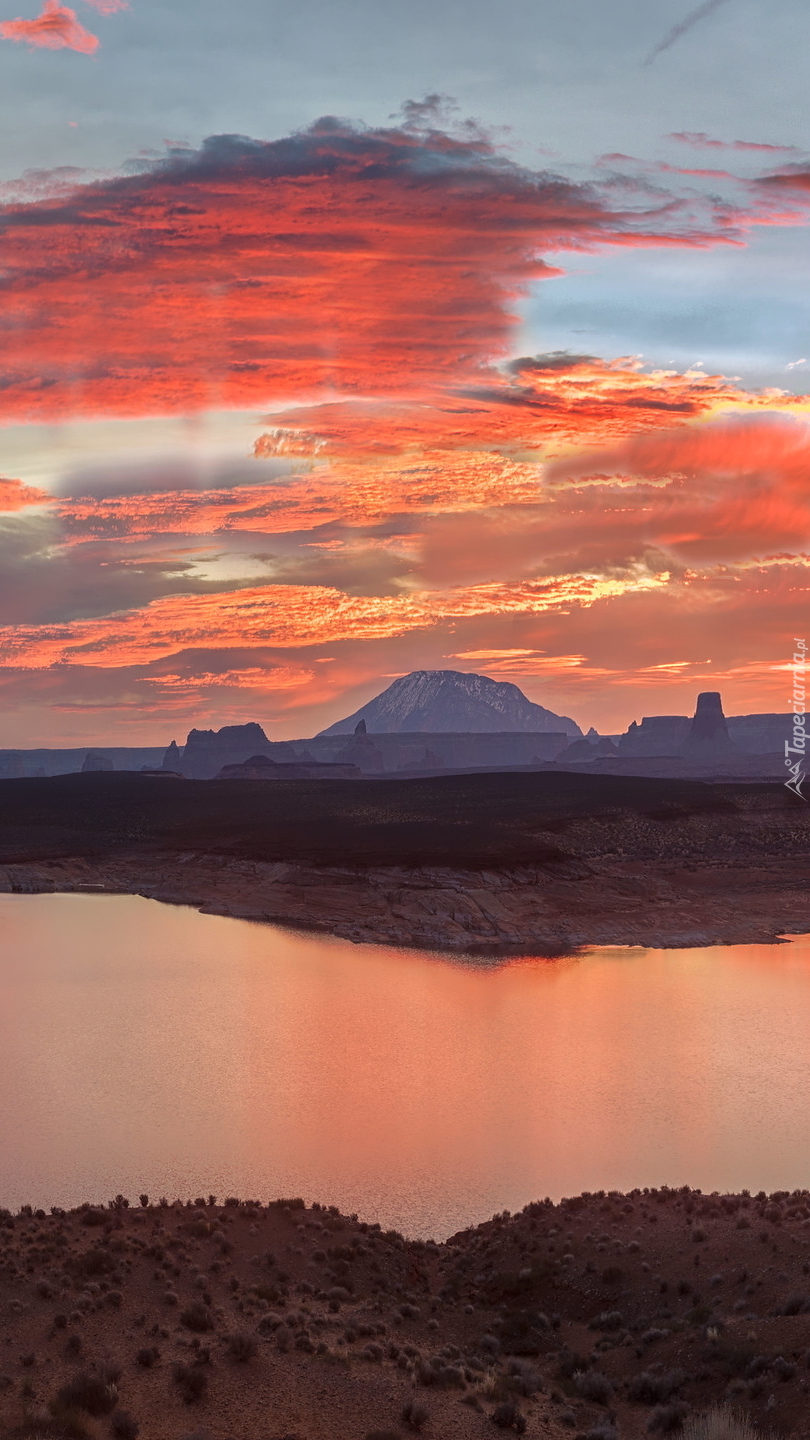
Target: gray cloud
(158, 473)
(684, 26)
(42, 582)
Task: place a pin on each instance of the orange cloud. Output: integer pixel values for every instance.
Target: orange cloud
(728, 493)
(56, 28)
(284, 616)
(539, 402)
(479, 451)
(386, 262)
(14, 495)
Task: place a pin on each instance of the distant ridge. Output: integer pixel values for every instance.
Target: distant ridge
(452, 702)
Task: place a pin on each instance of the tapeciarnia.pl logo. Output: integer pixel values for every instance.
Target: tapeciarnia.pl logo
(799, 745)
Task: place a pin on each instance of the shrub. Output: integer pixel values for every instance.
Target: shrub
(608, 1320)
(91, 1263)
(242, 1347)
(720, 1424)
(656, 1387)
(193, 1381)
(147, 1356)
(508, 1417)
(524, 1377)
(123, 1426)
(91, 1393)
(197, 1317)
(593, 1385)
(94, 1217)
(65, 1424)
(796, 1305)
(414, 1414)
(666, 1418)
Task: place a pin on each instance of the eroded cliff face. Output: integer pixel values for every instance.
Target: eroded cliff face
(551, 909)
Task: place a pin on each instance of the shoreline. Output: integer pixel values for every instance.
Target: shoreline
(550, 908)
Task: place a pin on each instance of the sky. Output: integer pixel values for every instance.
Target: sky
(342, 340)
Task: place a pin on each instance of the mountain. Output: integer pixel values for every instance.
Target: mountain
(450, 701)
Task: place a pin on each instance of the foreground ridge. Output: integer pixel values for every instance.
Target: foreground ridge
(606, 1315)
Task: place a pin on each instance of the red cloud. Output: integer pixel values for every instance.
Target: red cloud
(56, 28)
(108, 7)
(340, 259)
(793, 177)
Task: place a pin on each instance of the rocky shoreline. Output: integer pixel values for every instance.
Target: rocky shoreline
(551, 908)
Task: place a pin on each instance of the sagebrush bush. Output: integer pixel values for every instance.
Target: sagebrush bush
(665, 1419)
(124, 1426)
(192, 1380)
(720, 1423)
(593, 1385)
(197, 1317)
(94, 1394)
(656, 1387)
(414, 1414)
(508, 1417)
(242, 1347)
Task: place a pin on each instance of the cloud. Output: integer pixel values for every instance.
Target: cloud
(339, 259)
(14, 495)
(375, 460)
(108, 7)
(683, 27)
(792, 178)
(530, 404)
(42, 581)
(701, 141)
(729, 494)
(287, 616)
(55, 28)
(417, 492)
(119, 475)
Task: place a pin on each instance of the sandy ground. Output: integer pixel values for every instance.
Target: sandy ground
(604, 1316)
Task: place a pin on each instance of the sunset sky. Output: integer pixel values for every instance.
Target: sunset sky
(341, 340)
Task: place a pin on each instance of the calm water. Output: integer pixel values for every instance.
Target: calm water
(144, 1047)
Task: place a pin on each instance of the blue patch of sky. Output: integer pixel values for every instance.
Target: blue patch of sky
(737, 311)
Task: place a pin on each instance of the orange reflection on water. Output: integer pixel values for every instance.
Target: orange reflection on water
(147, 1047)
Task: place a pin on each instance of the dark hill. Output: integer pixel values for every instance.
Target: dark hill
(465, 820)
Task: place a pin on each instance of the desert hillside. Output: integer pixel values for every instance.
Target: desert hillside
(603, 1316)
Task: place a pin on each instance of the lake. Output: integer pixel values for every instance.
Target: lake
(145, 1047)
